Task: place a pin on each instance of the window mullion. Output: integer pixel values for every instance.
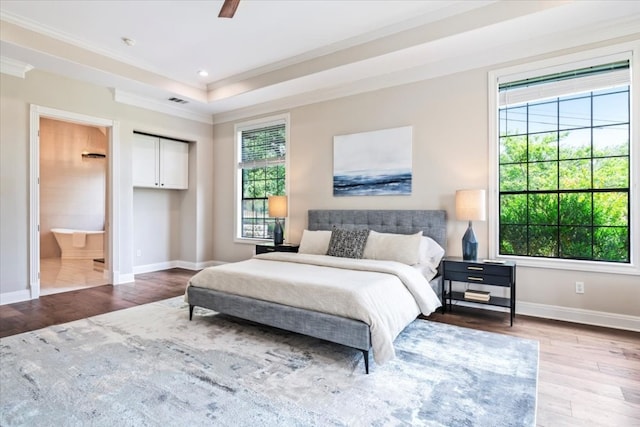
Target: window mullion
(592, 227)
(558, 199)
(528, 188)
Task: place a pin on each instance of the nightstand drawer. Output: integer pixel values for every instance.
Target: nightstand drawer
(478, 268)
(261, 249)
(266, 248)
(480, 278)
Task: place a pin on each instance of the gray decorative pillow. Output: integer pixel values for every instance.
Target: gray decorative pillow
(347, 243)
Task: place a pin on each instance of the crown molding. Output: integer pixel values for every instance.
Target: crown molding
(13, 67)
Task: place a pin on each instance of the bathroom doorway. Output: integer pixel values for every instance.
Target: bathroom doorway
(109, 202)
(73, 205)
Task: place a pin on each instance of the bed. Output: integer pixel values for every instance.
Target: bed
(295, 317)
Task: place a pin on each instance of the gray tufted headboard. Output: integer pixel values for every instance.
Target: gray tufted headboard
(432, 222)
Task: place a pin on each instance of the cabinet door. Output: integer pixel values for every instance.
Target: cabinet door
(174, 164)
(145, 161)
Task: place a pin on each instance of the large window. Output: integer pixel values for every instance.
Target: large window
(564, 164)
(261, 160)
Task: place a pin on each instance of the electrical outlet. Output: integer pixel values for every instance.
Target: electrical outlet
(579, 287)
(138, 252)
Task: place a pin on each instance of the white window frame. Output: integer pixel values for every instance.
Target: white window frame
(238, 129)
(629, 51)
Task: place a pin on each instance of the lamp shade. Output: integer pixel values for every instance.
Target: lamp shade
(278, 206)
(471, 205)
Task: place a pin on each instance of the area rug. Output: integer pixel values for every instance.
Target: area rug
(149, 365)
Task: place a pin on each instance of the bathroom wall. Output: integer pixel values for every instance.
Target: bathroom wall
(72, 187)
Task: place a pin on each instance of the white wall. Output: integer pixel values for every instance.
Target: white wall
(157, 218)
(58, 92)
(448, 153)
(14, 188)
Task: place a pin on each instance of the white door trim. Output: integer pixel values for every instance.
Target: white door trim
(112, 226)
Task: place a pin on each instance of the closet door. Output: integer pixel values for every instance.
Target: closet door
(174, 164)
(146, 171)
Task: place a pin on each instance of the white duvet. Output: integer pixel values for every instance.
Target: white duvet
(386, 295)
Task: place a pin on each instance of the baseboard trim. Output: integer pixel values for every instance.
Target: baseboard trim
(120, 279)
(187, 265)
(578, 315)
(149, 268)
(197, 265)
(16, 296)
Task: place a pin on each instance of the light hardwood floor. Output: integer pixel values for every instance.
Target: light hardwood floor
(588, 376)
(64, 275)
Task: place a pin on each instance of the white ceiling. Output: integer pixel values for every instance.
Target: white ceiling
(282, 53)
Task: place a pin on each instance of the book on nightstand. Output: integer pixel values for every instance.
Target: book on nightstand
(473, 295)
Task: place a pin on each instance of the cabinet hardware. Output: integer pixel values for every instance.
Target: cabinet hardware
(477, 279)
(475, 268)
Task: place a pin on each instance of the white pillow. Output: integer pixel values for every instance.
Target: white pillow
(403, 248)
(430, 251)
(315, 242)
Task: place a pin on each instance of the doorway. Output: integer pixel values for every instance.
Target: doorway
(73, 177)
(80, 141)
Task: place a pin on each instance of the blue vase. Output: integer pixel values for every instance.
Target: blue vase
(278, 235)
(469, 245)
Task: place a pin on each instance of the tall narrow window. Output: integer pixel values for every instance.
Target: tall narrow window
(262, 153)
(564, 164)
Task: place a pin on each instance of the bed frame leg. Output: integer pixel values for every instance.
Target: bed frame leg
(366, 361)
(191, 307)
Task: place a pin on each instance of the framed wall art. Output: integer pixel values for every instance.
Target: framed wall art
(374, 163)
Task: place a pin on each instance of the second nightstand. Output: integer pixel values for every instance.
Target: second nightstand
(483, 273)
(264, 248)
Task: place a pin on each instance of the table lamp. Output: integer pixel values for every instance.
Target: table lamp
(470, 206)
(277, 210)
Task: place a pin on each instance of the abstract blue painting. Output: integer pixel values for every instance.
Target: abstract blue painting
(374, 163)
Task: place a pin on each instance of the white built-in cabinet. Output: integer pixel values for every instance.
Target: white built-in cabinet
(160, 162)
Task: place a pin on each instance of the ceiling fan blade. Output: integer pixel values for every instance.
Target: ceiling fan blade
(228, 9)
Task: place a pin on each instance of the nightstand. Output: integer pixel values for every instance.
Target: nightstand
(483, 273)
(264, 248)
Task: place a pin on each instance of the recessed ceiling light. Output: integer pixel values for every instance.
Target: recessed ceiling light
(128, 41)
(203, 73)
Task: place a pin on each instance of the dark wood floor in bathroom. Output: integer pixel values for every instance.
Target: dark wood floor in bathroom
(588, 376)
